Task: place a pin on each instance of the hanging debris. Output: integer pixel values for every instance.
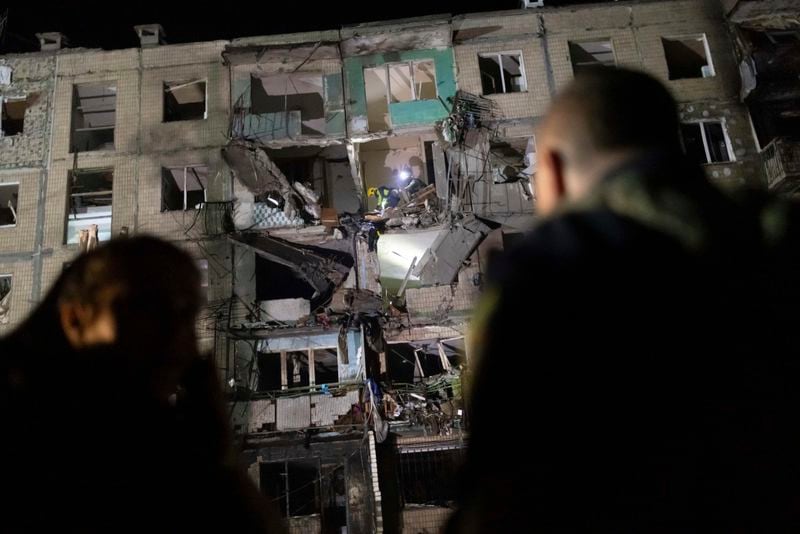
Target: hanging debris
(259, 174)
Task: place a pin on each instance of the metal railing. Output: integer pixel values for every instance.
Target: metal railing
(782, 163)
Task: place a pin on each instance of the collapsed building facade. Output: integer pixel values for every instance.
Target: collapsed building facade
(338, 325)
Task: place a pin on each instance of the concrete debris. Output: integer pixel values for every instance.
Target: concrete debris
(259, 174)
(319, 268)
(441, 263)
(311, 199)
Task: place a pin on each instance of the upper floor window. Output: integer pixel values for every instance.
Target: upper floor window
(403, 82)
(12, 121)
(588, 54)
(688, 57)
(94, 117)
(396, 82)
(185, 101)
(502, 73)
(183, 188)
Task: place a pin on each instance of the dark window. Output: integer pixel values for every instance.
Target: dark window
(428, 477)
(184, 101)
(269, 371)
(183, 188)
(590, 54)
(8, 204)
(687, 57)
(704, 142)
(501, 73)
(13, 119)
(326, 366)
(94, 116)
(294, 485)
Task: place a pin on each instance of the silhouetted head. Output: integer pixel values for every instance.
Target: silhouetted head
(135, 300)
(603, 118)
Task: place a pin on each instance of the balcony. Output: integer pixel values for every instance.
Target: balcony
(782, 164)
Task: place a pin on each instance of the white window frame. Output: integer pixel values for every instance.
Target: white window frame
(500, 63)
(185, 192)
(706, 48)
(728, 144)
(410, 64)
(91, 216)
(16, 214)
(184, 84)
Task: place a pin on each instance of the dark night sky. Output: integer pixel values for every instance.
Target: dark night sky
(110, 25)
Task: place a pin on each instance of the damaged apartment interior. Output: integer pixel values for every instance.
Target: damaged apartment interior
(344, 193)
(349, 310)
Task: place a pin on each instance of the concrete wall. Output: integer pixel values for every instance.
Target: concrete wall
(143, 144)
(635, 30)
(23, 160)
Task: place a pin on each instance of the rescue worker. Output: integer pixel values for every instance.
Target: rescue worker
(386, 196)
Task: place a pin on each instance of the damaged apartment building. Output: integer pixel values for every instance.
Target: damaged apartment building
(343, 192)
(766, 36)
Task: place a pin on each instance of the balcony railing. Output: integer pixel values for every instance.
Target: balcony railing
(782, 164)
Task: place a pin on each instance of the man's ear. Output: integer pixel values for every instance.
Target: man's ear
(551, 187)
(73, 319)
(84, 325)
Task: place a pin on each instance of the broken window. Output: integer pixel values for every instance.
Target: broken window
(292, 369)
(688, 57)
(90, 199)
(706, 142)
(394, 83)
(275, 374)
(297, 369)
(293, 103)
(94, 115)
(185, 101)
(424, 80)
(591, 54)
(13, 118)
(270, 374)
(376, 86)
(5, 297)
(428, 477)
(294, 485)
(183, 188)
(8, 204)
(326, 366)
(502, 73)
